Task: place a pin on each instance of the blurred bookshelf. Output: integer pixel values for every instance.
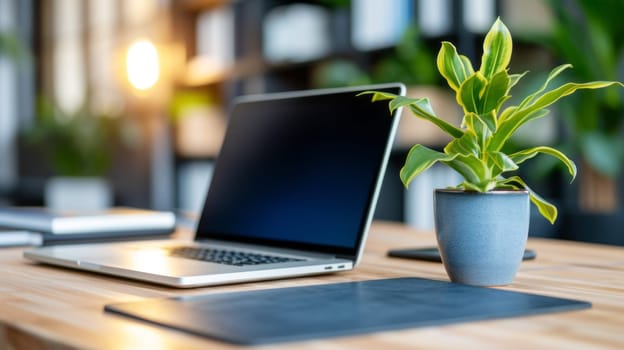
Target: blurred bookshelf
(248, 47)
(230, 48)
(236, 48)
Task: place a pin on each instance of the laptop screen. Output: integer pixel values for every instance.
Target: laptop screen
(300, 170)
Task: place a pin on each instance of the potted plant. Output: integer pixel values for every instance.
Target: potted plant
(79, 148)
(482, 224)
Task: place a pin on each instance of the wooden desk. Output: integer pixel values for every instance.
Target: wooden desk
(51, 308)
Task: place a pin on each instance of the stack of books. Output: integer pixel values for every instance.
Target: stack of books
(41, 226)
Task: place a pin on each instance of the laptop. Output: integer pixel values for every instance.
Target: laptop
(293, 193)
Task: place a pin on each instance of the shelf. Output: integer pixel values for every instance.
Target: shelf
(198, 74)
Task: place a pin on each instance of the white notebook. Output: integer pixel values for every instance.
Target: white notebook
(111, 220)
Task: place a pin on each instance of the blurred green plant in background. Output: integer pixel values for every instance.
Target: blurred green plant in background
(408, 62)
(590, 35)
(9, 45)
(77, 144)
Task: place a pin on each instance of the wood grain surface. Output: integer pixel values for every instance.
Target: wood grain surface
(45, 307)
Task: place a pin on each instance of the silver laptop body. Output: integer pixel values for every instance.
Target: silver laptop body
(293, 193)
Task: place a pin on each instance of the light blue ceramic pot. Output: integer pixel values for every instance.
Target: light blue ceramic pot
(481, 236)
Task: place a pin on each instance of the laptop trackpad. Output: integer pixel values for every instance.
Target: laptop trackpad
(154, 261)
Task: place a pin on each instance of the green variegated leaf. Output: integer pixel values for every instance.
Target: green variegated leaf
(489, 119)
(470, 93)
(502, 101)
(554, 95)
(509, 111)
(419, 159)
(471, 187)
(497, 48)
(535, 110)
(553, 74)
(379, 95)
(468, 144)
(482, 126)
(453, 68)
(468, 70)
(510, 124)
(495, 92)
(509, 187)
(515, 78)
(472, 169)
(547, 210)
(521, 156)
(502, 162)
(420, 107)
(473, 123)
(420, 110)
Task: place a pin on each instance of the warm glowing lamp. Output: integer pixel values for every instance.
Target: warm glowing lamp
(147, 74)
(142, 65)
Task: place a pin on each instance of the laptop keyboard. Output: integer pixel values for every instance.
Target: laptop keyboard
(227, 257)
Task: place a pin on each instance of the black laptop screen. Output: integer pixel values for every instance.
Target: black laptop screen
(298, 171)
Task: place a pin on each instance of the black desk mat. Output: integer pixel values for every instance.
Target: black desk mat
(302, 313)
